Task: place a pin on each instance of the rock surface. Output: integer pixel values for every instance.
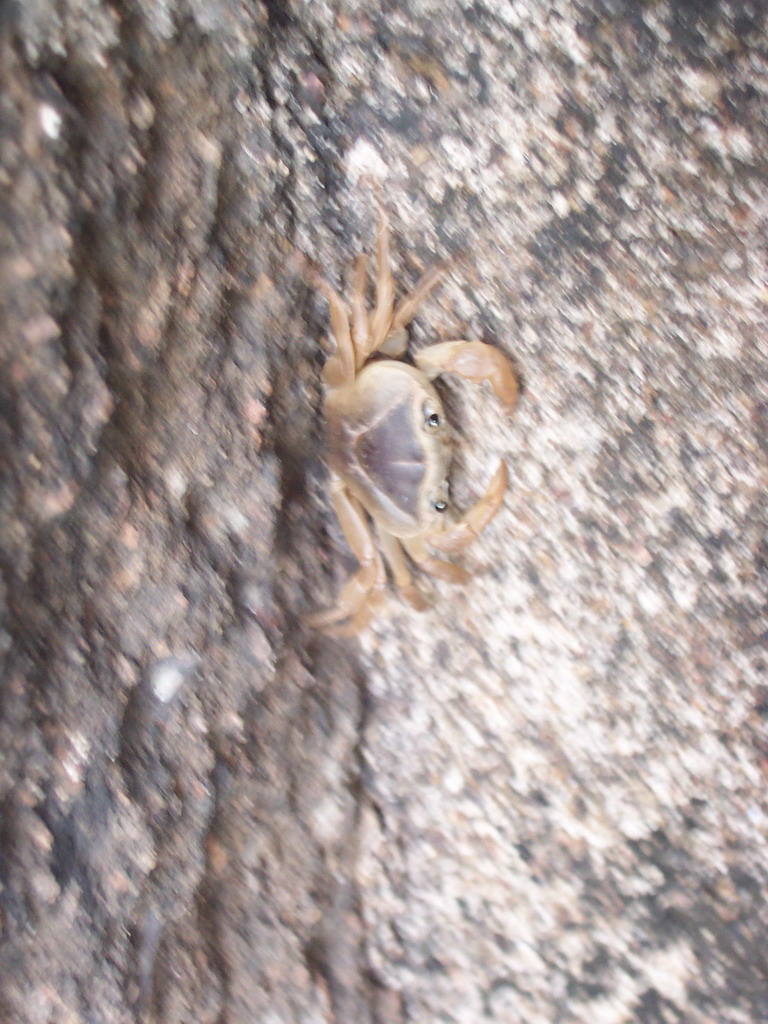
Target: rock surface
(542, 800)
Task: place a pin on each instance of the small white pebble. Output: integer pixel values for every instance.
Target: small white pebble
(560, 204)
(650, 600)
(740, 144)
(531, 473)
(453, 780)
(236, 521)
(177, 482)
(50, 120)
(76, 757)
(166, 678)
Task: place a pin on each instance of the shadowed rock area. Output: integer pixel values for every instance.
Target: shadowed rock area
(543, 799)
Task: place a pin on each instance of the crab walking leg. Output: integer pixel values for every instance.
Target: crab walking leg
(359, 313)
(395, 559)
(381, 317)
(417, 549)
(364, 588)
(363, 616)
(475, 361)
(340, 367)
(365, 613)
(355, 625)
(473, 522)
(408, 306)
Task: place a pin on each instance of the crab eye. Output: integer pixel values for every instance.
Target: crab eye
(431, 418)
(438, 499)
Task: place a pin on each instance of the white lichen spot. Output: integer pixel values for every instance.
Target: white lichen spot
(700, 88)
(685, 590)
(740, 144)
(571, 44)
(670, 970)
(727, 141)
(461, 156)
(364, 161)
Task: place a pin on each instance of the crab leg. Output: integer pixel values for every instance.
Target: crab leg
(417, 549)
(473, 522)
(340, 367)
(362, 617)
(396, 341)
(408, 306)
(395, 559)
(475, 361)
(386, 330)
(381, 317)
(359, 314)
(364, 590)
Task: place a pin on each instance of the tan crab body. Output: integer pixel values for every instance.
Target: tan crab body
(387, 447)
(386, 440)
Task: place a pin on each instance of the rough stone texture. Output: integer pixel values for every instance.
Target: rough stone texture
(543, 799)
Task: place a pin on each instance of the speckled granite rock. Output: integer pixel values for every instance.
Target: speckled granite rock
(543, 799)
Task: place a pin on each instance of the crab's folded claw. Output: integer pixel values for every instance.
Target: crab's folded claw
(475, 361)
(457, 537)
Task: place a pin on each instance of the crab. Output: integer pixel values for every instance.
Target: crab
(387, 446)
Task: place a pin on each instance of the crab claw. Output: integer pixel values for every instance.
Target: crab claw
(475, 361)
(457, 537)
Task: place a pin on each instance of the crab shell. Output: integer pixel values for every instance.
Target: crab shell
(387, 441)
